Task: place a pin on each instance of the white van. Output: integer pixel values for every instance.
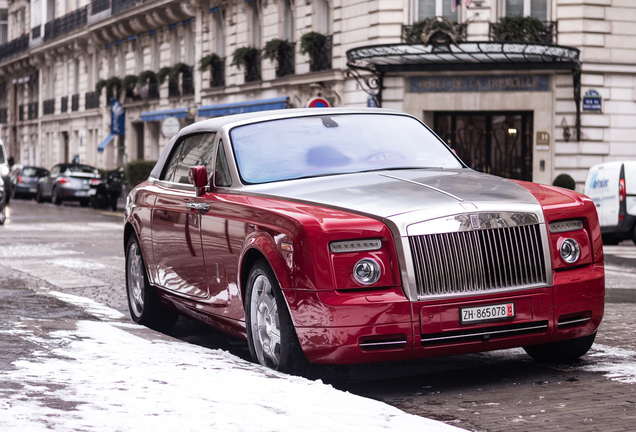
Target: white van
(612, 187)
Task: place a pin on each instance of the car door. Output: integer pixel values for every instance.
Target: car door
(49, 181)
(176, 225)
(222, 236)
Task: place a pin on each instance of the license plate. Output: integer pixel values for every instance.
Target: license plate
(33, 190)
(81, 193)
(487, 313)
(92, 191)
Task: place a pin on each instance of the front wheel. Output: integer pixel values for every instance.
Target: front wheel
(55, 197)
(271, 336)
(143, 302)
(38, 195)
(562, 351)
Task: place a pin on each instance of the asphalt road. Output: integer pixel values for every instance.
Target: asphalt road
(79, 251)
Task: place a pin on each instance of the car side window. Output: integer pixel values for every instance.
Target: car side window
(222, 177)
(193, 150)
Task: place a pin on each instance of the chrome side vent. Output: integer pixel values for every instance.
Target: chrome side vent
(476, 261)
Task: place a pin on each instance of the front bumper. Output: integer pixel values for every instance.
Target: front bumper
(361, 327)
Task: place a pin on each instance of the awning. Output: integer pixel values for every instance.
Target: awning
(160, 115)
(468, 56)
(243, 107)
(102, 146)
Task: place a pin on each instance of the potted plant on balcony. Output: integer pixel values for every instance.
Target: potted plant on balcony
(318, 47)
(519, 29)
(248, 59)
(280, 52)
(113, 87)
(128, 85)
(148, 85)
(215, 65)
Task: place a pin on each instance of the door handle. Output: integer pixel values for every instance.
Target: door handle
(199, 207)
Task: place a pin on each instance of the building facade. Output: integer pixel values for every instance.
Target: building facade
(527, 109)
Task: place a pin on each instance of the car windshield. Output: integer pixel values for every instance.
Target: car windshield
(85, 169)
(33, 172)
(314, 146)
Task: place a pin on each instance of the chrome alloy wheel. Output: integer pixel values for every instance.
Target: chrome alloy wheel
(265, 322)
(135, 279)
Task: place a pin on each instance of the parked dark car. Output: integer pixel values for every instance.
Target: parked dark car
(25, 179)
(3, 203)
(5, 167)
(107, 191)
(68, 182)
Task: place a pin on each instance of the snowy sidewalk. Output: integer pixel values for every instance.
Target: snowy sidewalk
(100, 376)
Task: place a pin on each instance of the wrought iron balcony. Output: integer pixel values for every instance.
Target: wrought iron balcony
(187, 83)
(75, 102)
(153, 90)
(49, 106)
(123, 5)
(92, 100)
(173, 88)
(66, 24)
(36, 32)
(21, 112)
(408, 36)
(32, 110)
(14, 46)
(64, 104)
(286, 62)
(4, 115)
(547, 36)
(98, 6)
(253, 69)
(321, 60)
(217, 75)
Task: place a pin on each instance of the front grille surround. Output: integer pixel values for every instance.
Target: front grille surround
(479, 261)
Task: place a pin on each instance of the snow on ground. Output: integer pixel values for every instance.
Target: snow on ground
(99, 377)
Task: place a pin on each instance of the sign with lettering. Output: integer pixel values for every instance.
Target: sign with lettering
(486, 83)
(543, 141)
(592, 101)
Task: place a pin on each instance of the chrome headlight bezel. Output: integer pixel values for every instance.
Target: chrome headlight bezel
(367, 271)
(570, 250)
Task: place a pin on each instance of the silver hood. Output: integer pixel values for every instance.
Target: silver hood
(406, 197)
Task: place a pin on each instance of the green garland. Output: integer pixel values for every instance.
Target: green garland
(244, 55)
(209, 61)
(519, 29)
(312, 43)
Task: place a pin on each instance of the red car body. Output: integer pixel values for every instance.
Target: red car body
(198, 263)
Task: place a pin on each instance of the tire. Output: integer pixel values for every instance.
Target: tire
(562, 351)
(113, 205)
(3, 215)
(271, 336)
(143, 302)
(38, 196)
(84, 202)
(55, 198)
(610, 240)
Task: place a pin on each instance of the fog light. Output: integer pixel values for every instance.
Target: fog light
(367, 271)
(570, 251)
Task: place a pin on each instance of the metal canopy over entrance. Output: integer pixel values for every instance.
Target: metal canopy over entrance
(465, 56)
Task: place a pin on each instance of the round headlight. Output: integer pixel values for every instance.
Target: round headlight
(367, 271)
(570, 251)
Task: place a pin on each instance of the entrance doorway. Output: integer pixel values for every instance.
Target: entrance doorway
(498, 143)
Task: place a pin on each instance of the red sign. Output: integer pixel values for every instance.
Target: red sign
(318, 102)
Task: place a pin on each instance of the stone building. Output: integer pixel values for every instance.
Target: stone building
(526, 108)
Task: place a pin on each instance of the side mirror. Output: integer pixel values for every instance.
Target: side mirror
(198, 176)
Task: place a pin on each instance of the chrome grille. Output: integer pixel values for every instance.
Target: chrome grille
(475, 261)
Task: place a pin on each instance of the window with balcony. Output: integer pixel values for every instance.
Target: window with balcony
(254, 17)
(534, 8)
(322, 22)
(288, 23)
(4, 26)
(433, 8)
